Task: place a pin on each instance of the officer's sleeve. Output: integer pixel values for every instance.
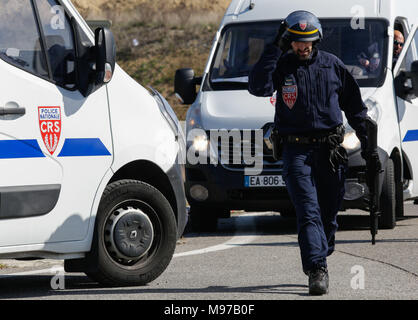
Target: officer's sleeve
(262, 80)
(352, 104)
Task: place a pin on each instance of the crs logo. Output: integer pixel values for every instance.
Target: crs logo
(303, 24)
(50, 126)
(273, 99)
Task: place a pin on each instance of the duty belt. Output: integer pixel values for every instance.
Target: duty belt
(304, 139)
(315, 138)
(332, 140)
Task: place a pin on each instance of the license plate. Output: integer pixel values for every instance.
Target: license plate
(264, 181)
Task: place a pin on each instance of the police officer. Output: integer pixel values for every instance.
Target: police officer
(312, 87)
(398, 44)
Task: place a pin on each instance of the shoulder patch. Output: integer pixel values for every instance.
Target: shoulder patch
(289, 91)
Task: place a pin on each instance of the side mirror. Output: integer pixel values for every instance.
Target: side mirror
(413, 74)
(94, 64)
(406, 83)
(185, 85)
(105, 46)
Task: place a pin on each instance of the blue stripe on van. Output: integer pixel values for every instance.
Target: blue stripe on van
(411, 135)
(15, 149)
(83, 148)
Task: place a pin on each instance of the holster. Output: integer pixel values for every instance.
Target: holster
(337, 153)
(277, 143)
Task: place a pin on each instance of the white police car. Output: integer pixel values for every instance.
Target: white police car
(89, 160)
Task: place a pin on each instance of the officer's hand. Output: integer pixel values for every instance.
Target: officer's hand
(365, 62)
(280, 33)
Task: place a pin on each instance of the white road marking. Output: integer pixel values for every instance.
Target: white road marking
(52, 270)
(235, 242)
(232, 243)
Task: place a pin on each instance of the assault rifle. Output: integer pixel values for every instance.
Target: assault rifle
(373, 171)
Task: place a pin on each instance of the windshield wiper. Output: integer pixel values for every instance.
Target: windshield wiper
(19, 61)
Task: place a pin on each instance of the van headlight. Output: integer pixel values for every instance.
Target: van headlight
(194, 118)
(200, 143)
(167, 112)
(196, 136)
(170, 116)
(351, 142)
(373, 109)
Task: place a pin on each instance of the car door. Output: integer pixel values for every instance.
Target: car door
(55, 144)
(408, 107)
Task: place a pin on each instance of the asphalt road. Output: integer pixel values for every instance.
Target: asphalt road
(253, 256)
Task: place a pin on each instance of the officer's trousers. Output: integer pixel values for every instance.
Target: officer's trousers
(316, 192)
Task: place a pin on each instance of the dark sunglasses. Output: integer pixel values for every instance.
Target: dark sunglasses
(397, 43)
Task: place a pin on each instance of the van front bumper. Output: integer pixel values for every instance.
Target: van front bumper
(226, 189)
(356, 169)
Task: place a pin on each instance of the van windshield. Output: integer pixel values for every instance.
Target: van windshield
(363, 50)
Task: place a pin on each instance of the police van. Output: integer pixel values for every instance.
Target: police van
(352, 31)
(90, 161)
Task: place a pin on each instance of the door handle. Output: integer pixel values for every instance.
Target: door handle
(12, 108)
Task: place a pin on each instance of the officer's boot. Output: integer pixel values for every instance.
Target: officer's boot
(318, 281)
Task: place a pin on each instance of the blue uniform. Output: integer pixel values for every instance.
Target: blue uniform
(310, 97)
(310, 94)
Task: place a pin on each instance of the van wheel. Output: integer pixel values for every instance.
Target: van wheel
(388, 198)
(399, 199)
(135, 235)
(203, 219)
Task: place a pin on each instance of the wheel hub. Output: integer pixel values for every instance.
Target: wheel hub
(128, 234)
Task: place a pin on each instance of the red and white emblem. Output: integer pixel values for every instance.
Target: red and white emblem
(50, 126)
(303, 25)
(290, 95)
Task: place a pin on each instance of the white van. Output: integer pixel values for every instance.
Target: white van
(89, 159)
(352, 31)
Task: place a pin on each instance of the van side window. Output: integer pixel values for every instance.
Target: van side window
(59, 41)
(20, 42)
(224, 64)
(411, 54)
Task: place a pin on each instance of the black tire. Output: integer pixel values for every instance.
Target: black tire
(203, 219)
(399, 192)
(388, 198)
(128, 201)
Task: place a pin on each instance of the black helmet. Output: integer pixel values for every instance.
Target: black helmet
(302, 26)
